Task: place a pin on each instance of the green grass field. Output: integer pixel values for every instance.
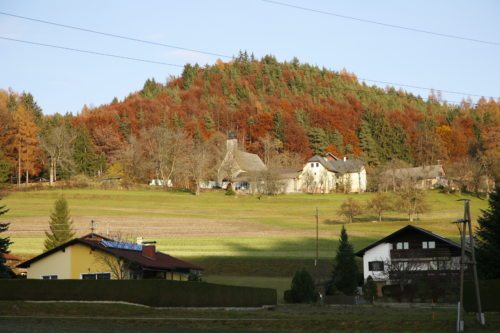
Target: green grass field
(229, 236)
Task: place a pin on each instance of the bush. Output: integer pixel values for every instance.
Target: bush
(302, 290)
(230, 190)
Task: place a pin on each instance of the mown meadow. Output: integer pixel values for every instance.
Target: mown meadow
(239, 239)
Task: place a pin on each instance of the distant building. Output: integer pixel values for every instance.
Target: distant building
(423, 177)
(97, 257)
(239, 168)
(329, 173)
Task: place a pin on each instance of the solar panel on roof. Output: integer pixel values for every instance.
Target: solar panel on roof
(122, 245)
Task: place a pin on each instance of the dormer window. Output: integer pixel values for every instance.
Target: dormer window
(429, 245)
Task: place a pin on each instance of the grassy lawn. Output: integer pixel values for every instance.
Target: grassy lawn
(235, 236)
(82, 317)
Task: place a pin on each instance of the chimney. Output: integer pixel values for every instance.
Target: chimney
(149, 250)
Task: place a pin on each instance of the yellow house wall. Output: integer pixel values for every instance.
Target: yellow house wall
(58, 263)
(85, 260)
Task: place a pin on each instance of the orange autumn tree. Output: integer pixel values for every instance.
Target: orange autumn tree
(24, 142)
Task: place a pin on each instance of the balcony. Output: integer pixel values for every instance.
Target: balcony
(420, 253)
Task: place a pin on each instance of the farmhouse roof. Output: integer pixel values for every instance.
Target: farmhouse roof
(421, 172)
(249, 162)
(161, 261)
(412, 228)
(337, 165)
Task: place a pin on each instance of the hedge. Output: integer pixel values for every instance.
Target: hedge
(160, 293)
(490, 296)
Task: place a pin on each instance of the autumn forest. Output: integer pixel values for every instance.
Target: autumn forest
(284, 112)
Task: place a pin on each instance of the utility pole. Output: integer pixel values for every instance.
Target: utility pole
(465, 225)
(317, 239)
(92, 227)
(479, 315)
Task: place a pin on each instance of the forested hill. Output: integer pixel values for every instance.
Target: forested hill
(300, 108)
(308, 109)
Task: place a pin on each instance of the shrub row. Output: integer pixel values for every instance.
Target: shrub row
(160, 293)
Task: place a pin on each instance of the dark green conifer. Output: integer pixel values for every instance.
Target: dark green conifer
(60, 224)
(488, 238)
(345, 270)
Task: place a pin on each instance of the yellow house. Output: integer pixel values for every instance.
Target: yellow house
(96, 257)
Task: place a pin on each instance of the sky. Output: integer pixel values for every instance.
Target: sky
(64, 81)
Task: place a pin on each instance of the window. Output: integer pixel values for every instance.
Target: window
(96, 276)
(376, 266)
(429, 245)
(317, 165)
(402, 246)
(49, 277)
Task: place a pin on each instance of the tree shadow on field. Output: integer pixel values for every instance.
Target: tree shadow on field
(280, 258)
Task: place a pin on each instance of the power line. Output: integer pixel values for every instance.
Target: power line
(90, 52)
(115, 35)
(180, 66)
(387, 25)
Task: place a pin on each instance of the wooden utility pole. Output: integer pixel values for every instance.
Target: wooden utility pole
(317, 239)
(465, 225)
(479, 314)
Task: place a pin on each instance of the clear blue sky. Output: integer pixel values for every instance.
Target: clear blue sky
(64, 81)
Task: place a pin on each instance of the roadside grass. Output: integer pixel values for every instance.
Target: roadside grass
(95, 317)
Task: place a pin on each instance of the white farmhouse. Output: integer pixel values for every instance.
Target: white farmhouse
(329, 173)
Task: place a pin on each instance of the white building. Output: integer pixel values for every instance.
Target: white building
(413, 252)
(329, 173)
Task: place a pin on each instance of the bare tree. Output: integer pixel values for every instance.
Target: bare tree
(163, 147)
(308, 182)
(202, 160)
(349, 209)
(379, 204)
(411, 200)
(119, 267)
(269, 183)
(57, 143)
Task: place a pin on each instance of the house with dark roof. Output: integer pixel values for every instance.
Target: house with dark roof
(412, 251)
(97, 257)
(330, 173)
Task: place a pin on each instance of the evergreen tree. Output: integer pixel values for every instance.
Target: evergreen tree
(368, 144)
(345, 270)
(4, 243)
(302, 290)
(85, 159)
(60, 224)
(488, 238)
